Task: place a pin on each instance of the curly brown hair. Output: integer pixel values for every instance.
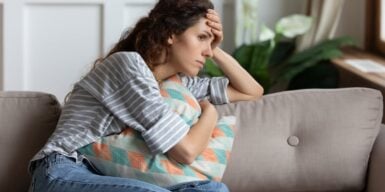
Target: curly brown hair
(150, 34)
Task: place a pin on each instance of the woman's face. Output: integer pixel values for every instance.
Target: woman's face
(189, 50)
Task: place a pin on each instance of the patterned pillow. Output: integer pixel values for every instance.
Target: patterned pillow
(127, 155)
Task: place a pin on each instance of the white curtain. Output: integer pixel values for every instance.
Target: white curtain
(326, 15)
(246, 17)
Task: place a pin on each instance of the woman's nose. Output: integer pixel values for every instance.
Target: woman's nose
(208, 52)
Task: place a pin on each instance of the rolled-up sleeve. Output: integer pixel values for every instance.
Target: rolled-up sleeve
(214, 89)
(126, 87)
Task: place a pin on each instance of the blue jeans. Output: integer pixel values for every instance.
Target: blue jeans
(58, 173)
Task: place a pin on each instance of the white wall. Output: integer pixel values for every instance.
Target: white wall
(50, 44)
(56, 50)
(47, 45)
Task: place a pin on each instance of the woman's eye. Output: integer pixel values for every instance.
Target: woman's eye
(202, 37)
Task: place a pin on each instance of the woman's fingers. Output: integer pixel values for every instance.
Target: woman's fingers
(214, 17)
(216, 26)
(218, 34)
(214, 21)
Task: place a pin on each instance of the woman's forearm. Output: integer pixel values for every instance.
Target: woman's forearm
(239, 78)
(197, 139)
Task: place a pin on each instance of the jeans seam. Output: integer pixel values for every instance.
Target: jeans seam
(33, 183)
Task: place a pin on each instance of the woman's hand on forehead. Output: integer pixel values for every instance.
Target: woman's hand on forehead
(214, 22)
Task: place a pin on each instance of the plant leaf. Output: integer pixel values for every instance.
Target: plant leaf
(291, 71)
(281, 53)
(293, 25)
(243, 55)
(317, 49)
(259, 68)
(266, 34)
(322, 75)
(211, 69)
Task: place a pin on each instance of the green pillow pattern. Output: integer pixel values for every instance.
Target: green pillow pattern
(127, 155)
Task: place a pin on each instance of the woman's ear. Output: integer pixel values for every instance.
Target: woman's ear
(170, 40)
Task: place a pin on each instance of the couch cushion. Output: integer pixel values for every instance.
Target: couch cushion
(26, 121)
(306, 140)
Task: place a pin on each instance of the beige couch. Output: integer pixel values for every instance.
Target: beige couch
(307, 140)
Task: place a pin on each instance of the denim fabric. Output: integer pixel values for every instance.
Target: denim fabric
(199, 186)
(58, 173)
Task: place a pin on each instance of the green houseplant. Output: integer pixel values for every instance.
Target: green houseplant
(273, 58)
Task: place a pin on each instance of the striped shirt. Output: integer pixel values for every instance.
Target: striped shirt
(122, 92)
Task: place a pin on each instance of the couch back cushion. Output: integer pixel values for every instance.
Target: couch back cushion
(306, 140)
(26, 121)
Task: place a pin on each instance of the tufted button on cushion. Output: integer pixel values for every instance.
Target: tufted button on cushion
(293, 141)
(340, 124)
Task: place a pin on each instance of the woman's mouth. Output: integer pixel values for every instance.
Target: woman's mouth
(201, 63)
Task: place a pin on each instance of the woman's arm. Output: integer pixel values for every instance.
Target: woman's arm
(197, 138)
(242, 85)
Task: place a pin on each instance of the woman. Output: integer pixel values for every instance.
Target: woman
(123, 91)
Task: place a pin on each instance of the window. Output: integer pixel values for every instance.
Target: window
(375, 26)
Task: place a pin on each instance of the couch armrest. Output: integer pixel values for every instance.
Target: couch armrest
(377, 165)
(27, 119)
